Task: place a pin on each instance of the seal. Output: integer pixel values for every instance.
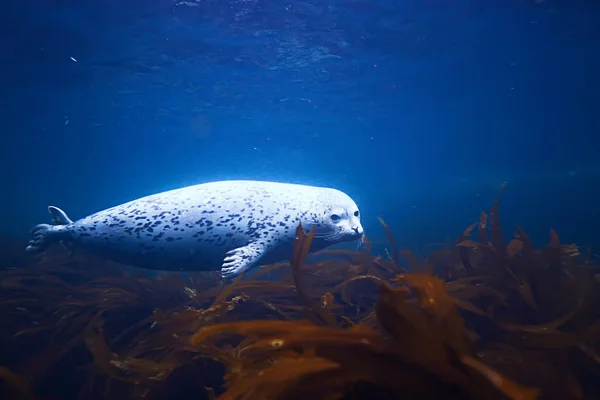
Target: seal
(227, 225)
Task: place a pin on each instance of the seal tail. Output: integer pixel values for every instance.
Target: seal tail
(44, 235)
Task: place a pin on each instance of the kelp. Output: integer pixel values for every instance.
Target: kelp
(485, 318)
(13, 385)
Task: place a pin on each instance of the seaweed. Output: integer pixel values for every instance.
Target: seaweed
(480, 318)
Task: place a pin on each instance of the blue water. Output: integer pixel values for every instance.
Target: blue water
(418, 109)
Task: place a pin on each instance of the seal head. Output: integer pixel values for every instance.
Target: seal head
(340, 221)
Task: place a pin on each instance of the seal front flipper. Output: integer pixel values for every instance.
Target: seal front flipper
(44, 235)
(241, 259)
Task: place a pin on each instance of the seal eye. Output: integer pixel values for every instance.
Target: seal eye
(356, 213)
(335, 217)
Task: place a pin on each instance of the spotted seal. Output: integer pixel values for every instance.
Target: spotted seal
(226, 225)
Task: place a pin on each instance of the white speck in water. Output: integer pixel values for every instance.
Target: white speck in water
(73, 59)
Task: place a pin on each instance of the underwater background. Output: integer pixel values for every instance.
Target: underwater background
(420, 110)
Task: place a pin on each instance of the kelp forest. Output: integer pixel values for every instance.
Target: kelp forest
(482, 318)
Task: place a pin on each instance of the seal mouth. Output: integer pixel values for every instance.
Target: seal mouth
(345, 234)
(356, 233)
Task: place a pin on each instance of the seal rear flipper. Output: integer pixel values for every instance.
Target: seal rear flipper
(59, 217)
(44, 235)
(241, 259)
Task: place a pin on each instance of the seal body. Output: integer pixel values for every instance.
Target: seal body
(226, 225)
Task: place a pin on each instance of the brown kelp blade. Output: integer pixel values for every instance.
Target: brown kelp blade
(392, 240)
(302, 243)
(496, 234)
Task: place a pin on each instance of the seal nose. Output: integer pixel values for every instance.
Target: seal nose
(358, 229)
